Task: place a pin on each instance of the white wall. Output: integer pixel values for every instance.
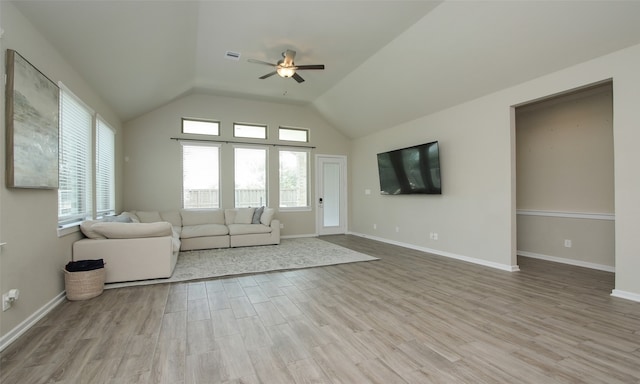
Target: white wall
(34, 256)
(475, 216)
(153, 172)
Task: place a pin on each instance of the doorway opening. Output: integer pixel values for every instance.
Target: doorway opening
(565, 178)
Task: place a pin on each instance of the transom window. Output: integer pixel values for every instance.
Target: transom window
(201, 127)
(293, 134)
(250, 131)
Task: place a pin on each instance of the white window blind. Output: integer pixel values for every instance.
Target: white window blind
(75, 187)
(200, 175)
(105, 168)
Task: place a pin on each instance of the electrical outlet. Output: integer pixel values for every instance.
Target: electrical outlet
(281, 226)
(435, 235)
(8, 298)
(375, 226)
(397, 229)
(6, 302)
(567, 243)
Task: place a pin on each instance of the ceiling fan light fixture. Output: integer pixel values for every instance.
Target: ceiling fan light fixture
(286, 71)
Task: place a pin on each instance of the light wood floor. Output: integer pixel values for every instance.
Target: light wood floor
(407, 318)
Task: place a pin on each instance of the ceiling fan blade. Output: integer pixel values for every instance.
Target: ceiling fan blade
(260, 62)
(288, 55)
(298, 78)
(268, 75)
(312, 66)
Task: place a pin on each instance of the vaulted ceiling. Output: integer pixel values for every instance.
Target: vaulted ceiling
(387, 62)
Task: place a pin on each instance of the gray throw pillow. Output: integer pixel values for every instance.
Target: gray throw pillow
(117, 219)
(256, 215)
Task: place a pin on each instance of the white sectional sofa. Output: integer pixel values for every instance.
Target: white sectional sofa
(142, 245)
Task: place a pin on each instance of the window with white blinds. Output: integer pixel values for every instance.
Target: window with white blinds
(75, 184)
(105, 168)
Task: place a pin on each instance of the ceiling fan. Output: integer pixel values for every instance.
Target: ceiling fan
(285, 67)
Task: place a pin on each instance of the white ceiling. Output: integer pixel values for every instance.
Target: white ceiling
(386, 61)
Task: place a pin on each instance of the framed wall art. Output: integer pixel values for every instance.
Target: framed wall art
(32, 116)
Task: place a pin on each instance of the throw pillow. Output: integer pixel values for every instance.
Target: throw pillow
(267, 216)
(256, 215)
(244, 215)
(132, 216)
(117, 219)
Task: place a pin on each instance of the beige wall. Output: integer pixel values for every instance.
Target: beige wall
(564, 156)
(33, 258)
(592, 240)
(153, 172)
(476, 215)
(565, 153)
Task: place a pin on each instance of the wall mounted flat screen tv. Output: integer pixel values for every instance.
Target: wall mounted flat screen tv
(412, 170)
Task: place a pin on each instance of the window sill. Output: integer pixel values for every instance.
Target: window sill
(68, 229)
(294, 209)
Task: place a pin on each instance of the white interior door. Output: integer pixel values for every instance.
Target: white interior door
(331, 194)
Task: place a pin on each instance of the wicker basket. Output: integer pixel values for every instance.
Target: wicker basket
(84, 285)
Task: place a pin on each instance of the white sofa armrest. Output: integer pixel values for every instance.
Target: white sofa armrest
(130, 259)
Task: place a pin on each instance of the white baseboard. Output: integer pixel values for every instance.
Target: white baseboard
(29, 322)
(298, 236)
(625, 295)
(578, 263)
(503, 267)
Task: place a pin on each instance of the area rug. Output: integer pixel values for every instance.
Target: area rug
(289, 254)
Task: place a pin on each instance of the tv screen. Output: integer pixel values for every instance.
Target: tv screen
(413, 170)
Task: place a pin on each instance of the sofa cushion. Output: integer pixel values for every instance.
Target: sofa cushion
(244, 215)
(267, 216)
(202, 216)
(238, 215)
(87, 229)
(203, 230)
(173, 217)
(132, 230)
(149, 216)
(248, 229)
